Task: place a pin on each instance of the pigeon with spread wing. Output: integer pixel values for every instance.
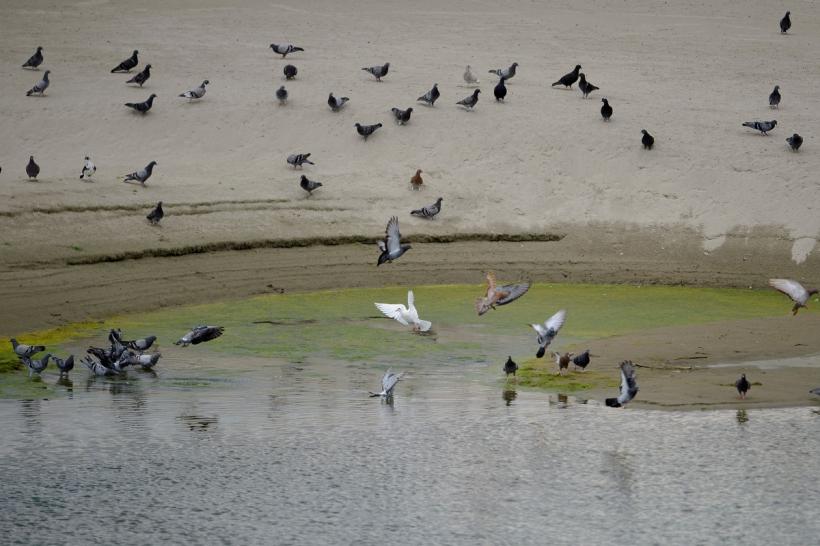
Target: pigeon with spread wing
(405, 315)
(499, 295)
(547, 331)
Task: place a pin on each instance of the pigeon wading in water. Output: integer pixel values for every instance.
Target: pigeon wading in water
(284, 49)
(141, 175)
(32, 169)
(282, 95)
(506, 73)
(367, 130)
(647, 140)
(289, 71)
(309, 185)
(402, 116)
(21, 349)
(391, 247)
(763, 126)
(547, 331)
(88, 168)
(431, 96)
(36, 366)
(786, 23)
(41, 86)
(35, 60)
(430, 211)
(567, 80)
(500, 90)
(581, 361)
(416, 181)
(336, 104)
(64, 366)
(499, 295)
(196, 92)
(774, 97)
(585, 87)
(798, 294)
(140, 344)
(629, 386)
(470, 102)
(378, 72)
(127, 64)
(795, 141)
(141, 77)
(200, 334)
(297, 160)
(743, 386)
(155, 216)
(606, 110)
(469, 78)
(142, 107)
(408, 316)
(389, 380)
(510, 367)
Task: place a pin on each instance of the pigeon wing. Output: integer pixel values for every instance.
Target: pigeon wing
(791, 288)
(394, 311)
(629, 385)
(555, 322)
(393, 240)
(511, 292)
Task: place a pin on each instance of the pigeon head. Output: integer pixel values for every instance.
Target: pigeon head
(643, 131)
(386, 66)
(813, 291)
(773, 122)
(152, 163)
(612, 403)
(135, 52)
(410, 110)
(605, 101)
(777, 88)
(482, 306)
(87, 158)
(476, 92)
(31, 158)
(159, 204)
(39, 49)
(577, 67)
(438, 202)
(204, 83)
(379, 124)
(541, 351)
(46, 74)
(515, 65)
(418, 172)
(153, 96)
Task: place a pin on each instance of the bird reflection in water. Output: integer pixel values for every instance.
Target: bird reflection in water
(68, 384)
(508, 396)
(742, 416)
(560, 400)
(198, 423)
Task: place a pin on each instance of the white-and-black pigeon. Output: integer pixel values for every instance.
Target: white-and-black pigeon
(335, 103)
(391, 247)
(88, 168)
(629, 386)
(547, 331)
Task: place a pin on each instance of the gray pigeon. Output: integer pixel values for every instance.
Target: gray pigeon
(298, 159)
(153, 218)
(141, 344)
(21, 349)
(36, 366)
(629, 386)
(142, 107)
(127, 64)
(64, 366)
(284, 49)
(97, 368)
(141, 175)
(763, 126)
(309, 185)
(430, 211)
(367, 130)
(378, 71)
(505, 73)
(470, 101)
(200, 334)
(196, 92)
(431, 96)
(282, 95)
(88, 168)
(41, 86)
(145, 361)
(389, 380)
(391, 247)
(141, 77)
(336, 104)
(774, 97)
(547, 331)
(35, 60)
(402, 116)
(795, 141)
(32, 169)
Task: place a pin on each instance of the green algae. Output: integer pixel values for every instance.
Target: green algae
(541, 374)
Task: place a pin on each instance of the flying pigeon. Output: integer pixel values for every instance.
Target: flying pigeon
(795, 141)
(309, 185)
(141, 77)
(284, 49)
(500, 90)
(469, 78)
(367, 130)
(547, 331)
(506, 73)
(562, 361)
(336, 104)
(785, 23)
(470, 101)
(510, 367)
(430, 211)
(196, 92)
(743, 386)
(21, 349)
(763, 126)
(606, 110)
(200, 334)
(402, 116)
(416, 180)
(88, 168)
(581, 360)
(378, 71)
(389, 380)
(799, 295)
(568, 79)
(35, 60)
(64, 366)
(289, 71)
(142, 107)
(298, 159)
(586, 87)
(127, 64)
(282, 95)
(499, 295)
(154, 217)
(141, 175)
(141, 344)
(431, 96)
(32, 169)
(36, 366)
(41, 86)
(774, 97)
(97, 368)
(391, 247)
(408, 316)
(629, 386)
(647, 140)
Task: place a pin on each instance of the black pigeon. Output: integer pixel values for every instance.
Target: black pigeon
(606, 110)
(510, 367)
(64, 366)
(32, 169)
(629, 386)
(200, 334)
(743, 386)
(378, 72)
(290, 71)
(141, 77)
(431, 96)
(155, 216)
(500, 90)
(763, 126)
(581, 360)
(309, 185)
(647, 140)
(127, 64)
(402, 116)
(367, 130)
(795, 141)
(470, 102)
(586, 87)
(298, 159)
(282, 95)
(35, 60)
(142, 107)
(568, 79)
(774, 97)
(336, 104)
(785, 23)
(284, 49)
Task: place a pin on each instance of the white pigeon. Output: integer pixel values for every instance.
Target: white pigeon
(88, 168)
(796, 291)
(468, 76)
(405, 315)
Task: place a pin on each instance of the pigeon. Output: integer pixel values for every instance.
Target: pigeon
(795, 141)
(309, 185)
(402, 116)
(391, 247)
(141, 344)
(468, 76)
(430, 211)
(547, 331)
(500, 90)
(606, 110)
(41, 86)
(431, 96)
(282, 95)
(763, 126)
(408, 316)
(289, 71)
(142, 107)
(127, 64)
(21, 349)
(470, 101)
(389, 380)
(298, 159)
(581, 360)
(367, 130)
(106, 357)
(145, 361)
(785, 23)
(141, 175)
(32, 169)
(35, 60)
(568, 79)
(336, 104)
(155, 216)
(774, 97)
(799, 295)
(647, 140)
(562, 360)
(64, 366)
(815, 391)
(629, 386)
(416, 180)
(97, 368)
(499, 295)
(378, 71)
(284, 49)
(586, 87)
(141, 77)
(506, 73)
(743, 386)
(88, 168)
(196, 92)
(200, 334)
(36, 366)
(510, 367)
